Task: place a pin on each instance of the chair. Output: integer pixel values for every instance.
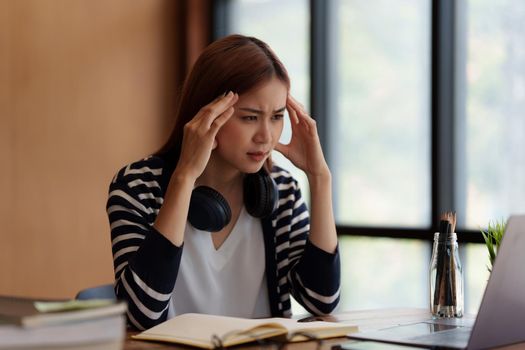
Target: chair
(105, 291)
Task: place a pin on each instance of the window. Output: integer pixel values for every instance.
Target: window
(383, 272)
(491, 110)
(424, 114)
(380, 133)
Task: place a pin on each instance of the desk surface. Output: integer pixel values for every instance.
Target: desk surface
(366, 320)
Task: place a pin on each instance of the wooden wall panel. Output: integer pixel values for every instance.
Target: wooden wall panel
(86, 87)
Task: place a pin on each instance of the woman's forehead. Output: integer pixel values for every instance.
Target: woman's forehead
(272, 92)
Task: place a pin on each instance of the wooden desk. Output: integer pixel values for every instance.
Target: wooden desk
(366, 320)
(131, 344)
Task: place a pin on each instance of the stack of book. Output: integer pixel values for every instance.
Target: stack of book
(72, 324)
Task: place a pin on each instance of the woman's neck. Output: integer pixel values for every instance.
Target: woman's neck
(220, 176)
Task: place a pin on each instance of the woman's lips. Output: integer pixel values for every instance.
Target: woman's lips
(257, 156)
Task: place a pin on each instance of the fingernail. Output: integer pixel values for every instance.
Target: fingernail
(230, 93)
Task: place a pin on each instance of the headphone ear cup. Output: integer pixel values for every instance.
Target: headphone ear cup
(260, 194)
(209, 210)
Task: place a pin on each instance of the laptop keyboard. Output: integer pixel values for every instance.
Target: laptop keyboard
(454, 338)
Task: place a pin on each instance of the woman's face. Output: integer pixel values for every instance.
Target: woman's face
(249, 137)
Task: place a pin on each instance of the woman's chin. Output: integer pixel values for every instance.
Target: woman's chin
(251, 168)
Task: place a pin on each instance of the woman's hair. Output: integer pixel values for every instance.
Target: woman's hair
(234, 63)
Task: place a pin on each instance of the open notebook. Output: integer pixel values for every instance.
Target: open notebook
(209, 331)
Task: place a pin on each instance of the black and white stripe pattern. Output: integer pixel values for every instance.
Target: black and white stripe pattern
(146, 263)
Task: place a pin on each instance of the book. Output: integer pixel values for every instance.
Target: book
(66, 324)
(210, 331)
(28, 312)
(103, 333)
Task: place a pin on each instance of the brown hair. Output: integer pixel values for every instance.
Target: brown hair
(234, 63)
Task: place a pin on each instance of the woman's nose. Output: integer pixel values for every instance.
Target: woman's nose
(263, 134)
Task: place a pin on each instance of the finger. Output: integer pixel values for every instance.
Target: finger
(301, 113)
(213, 110)
(301, 122)
(309, 122)
(221, 120)
(296, 104)
(312, 125)
(220, 96)
(292, 113)
(297, 122)
(223, 103)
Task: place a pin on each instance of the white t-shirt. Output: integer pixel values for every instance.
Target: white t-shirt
(230, 281)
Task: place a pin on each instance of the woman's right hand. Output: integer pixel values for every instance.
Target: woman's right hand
(199, 135)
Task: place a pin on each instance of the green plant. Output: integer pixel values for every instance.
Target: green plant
(493, 236)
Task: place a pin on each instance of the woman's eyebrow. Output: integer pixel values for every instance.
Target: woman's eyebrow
(258, 111)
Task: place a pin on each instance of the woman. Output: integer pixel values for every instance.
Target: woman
(230, 118)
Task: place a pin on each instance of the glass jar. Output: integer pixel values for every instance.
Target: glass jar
(446, 277)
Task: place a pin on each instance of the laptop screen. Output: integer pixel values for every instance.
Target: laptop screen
(501, 315)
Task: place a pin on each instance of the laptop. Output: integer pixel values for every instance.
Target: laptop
(501, 316)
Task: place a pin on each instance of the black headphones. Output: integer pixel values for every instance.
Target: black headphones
(209, 210)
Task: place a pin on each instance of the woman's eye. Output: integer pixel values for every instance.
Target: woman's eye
(278, 117)
(249, 118)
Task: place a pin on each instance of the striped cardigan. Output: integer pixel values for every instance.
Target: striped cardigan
(146, 263)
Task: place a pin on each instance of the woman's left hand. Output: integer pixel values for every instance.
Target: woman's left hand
(304, 149)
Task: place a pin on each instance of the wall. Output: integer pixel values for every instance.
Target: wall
(85, 87)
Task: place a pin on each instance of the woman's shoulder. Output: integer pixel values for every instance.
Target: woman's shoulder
(282, 176)
(151, 168)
